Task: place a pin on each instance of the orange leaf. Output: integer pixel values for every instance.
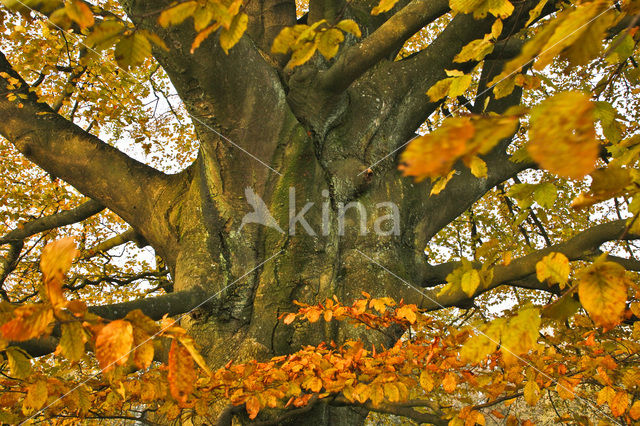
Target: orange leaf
(253, 407)
(182, 373)
(449, 382)
(619, 403)
(113, 344)
(54, 263)
(289, 318)
(28, 322)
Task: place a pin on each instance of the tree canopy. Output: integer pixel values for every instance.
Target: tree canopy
(504, 134)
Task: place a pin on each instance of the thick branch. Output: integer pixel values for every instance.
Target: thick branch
(63, 149)
(357, 59)
(172, 304)
(128, 235)
(519, 272)
(400, 409)
(57, 220)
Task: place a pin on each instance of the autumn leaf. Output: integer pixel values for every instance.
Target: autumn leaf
(19, 364)
(480, 8)
(329, 42)
(79, 12)
(407, 312)
(426, 381)
(132, 50)
(531, 393)
(562, 136)
(29, 321)
(520, 335)
(144, 351)
(177, 14)
(182, 374)
(449, 382)
(349, 26)
(36, 396)
(619, 403)
(383, 6)
(55, 261)
(230, 37)
(72, 341)
(113, 344)
(603, 292)
(554, 267)
(470, 282)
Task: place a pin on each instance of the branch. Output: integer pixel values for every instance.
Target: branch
(359, 58)
(96, 169)
(128, 235)
(400, 409)
(57, 220)
(171, 304)
(520, 271)
(8, 264)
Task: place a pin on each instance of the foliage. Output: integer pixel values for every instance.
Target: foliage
(573, 335)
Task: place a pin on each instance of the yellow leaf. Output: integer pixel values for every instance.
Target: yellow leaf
(531, 393)
(603, 292)
(565, 389)
(605, 395)
(562, 135)
(440, 89)
(470, 282)
(504, 87)
(426, 381)
(79, 12)
(459, 85)
(480, 8)
(36, 396)
(19, 364)
(349, 26)
(132, 50)
(302, 54)
(177, 14)
(478, 167)
(57, 257)
(72, 341)
(104, 35)
(155, 39)
(475, 51)
(478, 347)
(376, 394)
(496, 29)
(188, 342)
(521, 334)
(535, 12)
(619, 403)
(113, 344)
(329, 42)
(229, 37)
(555, 268)
(391, 391)
(182, 374)
(407, 312)
(383, 6)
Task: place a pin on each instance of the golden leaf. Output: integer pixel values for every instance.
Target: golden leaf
(349, 26)
(562, 135)
(383, 6)
(619, 403)
(478, 167)
(55, 261)
(521, 334)
(480, 8)
(603, 292)
(329, 42)
(132, 50)
(113, 344)
(19, 364)
(434, 154)
(470, 282)
(79, 12)
(104, 35)
(230, 37)
(143, 353)
(475, 51)
(531, 392)
(554, 267)
(72, 341)
(605, 395)
(177, 14)
(36, 396)
(426, 381)
(449, 382)
(182, 374)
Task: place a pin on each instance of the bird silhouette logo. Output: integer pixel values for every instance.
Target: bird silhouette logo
(260, 214)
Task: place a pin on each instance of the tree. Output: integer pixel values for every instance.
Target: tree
(379, 296)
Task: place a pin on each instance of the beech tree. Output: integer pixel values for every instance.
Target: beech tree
(424, 208)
